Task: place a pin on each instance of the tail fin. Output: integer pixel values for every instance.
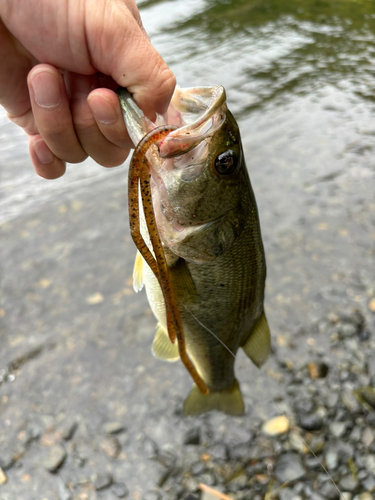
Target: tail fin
(228, 401)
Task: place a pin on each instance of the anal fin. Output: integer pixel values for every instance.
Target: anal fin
(162, 347)
(228, 401)
(258, 345)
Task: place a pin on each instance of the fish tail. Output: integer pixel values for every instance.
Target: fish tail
(228, 401)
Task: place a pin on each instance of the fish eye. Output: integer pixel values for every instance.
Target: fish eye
(226, 163)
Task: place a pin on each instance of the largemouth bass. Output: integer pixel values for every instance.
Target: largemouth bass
(207, 221)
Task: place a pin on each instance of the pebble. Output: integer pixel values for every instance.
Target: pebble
(337, 429)
(332, 460)
(364, 496)
(317, 369)
(120, 490)
(101, 480)
(276, 426)
(3, 478)
(193, 437)
(113, 428)
(368, 437)
(152, 495)
(329, 491)
(110, 446)
(68, 429)
(348, 483)
(64, 492)
(289, 467)
(310, 421)
(346, 495)
(55, 458)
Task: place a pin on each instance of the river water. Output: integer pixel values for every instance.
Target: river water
(300, 79)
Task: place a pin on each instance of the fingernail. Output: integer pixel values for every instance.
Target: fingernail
(102, 110)
(43, 152)
(46, 89)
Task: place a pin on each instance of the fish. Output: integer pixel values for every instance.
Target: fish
(197, 189)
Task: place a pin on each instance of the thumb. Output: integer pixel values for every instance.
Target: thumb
(119, 47)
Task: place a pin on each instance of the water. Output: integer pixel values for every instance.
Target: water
(300, 79)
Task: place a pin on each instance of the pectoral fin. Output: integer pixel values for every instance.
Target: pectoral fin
(258, 344)
(162, 347)
(138, 273)
(228, 401)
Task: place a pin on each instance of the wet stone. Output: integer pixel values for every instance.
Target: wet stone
(317, 369)
(64, 492)
(193, 436)
(289, 468)
(310, 421)
(304, 405)
(368, 437)
(198, 468)
(329, 491)
(152, 495)
(7, 458)
(68, 429)
(113, 428)
(120, 490)
(55, 458)
(218, 451)
(332, 460)
(348, 483)
(3, 478)
(101, 480)
(364, 496)
(110, 446)
(350, 402)
(276, 426)
(337, 429)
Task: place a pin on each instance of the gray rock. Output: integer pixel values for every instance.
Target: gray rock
(348, 483)
(120, 490)
(197, 468)
(64, 492)
(55, 458)
(350, 402)
(68, 429)
(7, 458)
(193, 436)
(368, 437)
(316, 496)
(289, 467)
(152, 495)
(347, 330)
(310, 422)
(329, 491)
(332, 460)
(218, 451)
(113, 428)
(110, 446)
(101, 480)
(337, 429)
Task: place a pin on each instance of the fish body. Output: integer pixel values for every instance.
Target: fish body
(208, 223)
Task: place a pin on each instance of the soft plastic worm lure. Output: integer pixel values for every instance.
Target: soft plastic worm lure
(139, 174)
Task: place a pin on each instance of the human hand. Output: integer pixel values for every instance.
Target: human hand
(60, 63)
